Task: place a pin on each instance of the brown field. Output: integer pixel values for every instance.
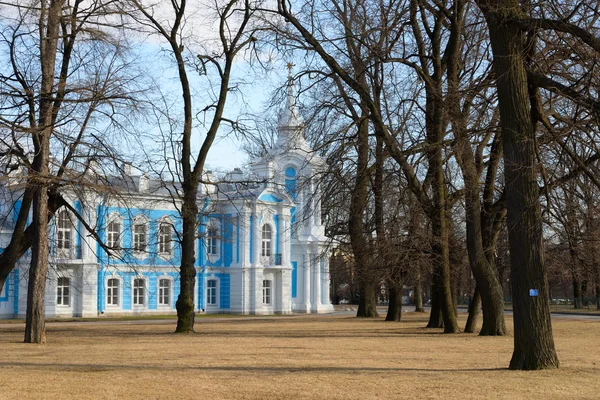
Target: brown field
(297, 357)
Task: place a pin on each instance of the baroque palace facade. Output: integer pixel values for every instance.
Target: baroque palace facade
(261, 247)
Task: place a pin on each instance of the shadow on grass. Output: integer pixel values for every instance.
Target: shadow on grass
(275, 370)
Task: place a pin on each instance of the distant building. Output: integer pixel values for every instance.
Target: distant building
(259, 248)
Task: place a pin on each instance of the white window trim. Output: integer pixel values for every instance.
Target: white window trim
(70, 296)
(158, 297)
(139, 220)
(217, 292)
(270, 293)
(165, 255)
(133, 296)
(114, 217)
(64, 252)
(213, 225)
(265, 258)
(119, 292)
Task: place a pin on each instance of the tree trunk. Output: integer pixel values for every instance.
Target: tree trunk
(437, 212)
(187, 272)
(474, 305)
(394, 312)
(418, 294)
(35, 329)
(577, 293)
(367, 301)
(366, 276)
(435, 316)
(533, 341)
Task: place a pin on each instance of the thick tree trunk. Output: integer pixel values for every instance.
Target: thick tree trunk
(418, 294)
(394, 312)
(435, 316)
(366, 276)
(367, 301)
(474, 304)
(35, 329)
(484, 272)
(577, 293)
(437, 212)
(533, 341)
(187, 272)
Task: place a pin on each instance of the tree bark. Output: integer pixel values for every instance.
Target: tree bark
(435, 316)
(187, 269)
(394, 312)
(418, 293)
(367, 301)
(366, 276)
(474, 304)
(35, 329)
(533, 341)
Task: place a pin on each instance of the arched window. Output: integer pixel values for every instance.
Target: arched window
(113, 234)
(164, 292)
(64, 229)
(63, 295)
(139, 292)
(112, 292)
(266, 241)
(165, 238)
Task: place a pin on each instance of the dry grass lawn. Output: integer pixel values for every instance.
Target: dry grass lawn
(298, 357)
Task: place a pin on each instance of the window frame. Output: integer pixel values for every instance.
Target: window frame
(161, 294)
(61, 233)
(267, 292)
(112, 295)
(213, 244)
(165, 248)
(135, 236)
(214, 290)
(266, 244)
(60, 291)
(112, 242)
(135, 295)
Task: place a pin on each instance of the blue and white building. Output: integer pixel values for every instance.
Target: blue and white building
(260, 247)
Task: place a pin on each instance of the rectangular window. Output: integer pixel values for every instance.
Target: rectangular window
(164, 292)
(211, 292)
(267, 292)
(139, 292)
(113, 235)
(63, 233)
(212, 242)
(63, 297)
(139, 237)
(112, 292)
(164, 239)
(266, 241)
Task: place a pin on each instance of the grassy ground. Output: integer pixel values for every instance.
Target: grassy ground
(289, 358)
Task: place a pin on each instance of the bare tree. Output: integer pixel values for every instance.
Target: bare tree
(233, 35)
(60, 71)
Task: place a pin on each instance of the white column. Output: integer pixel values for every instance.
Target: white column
(317, 207)
(325, 281)
(316, 300)
(254, 287)
(306, 266)
(245, 238)
(256, 239)
(285, 234)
